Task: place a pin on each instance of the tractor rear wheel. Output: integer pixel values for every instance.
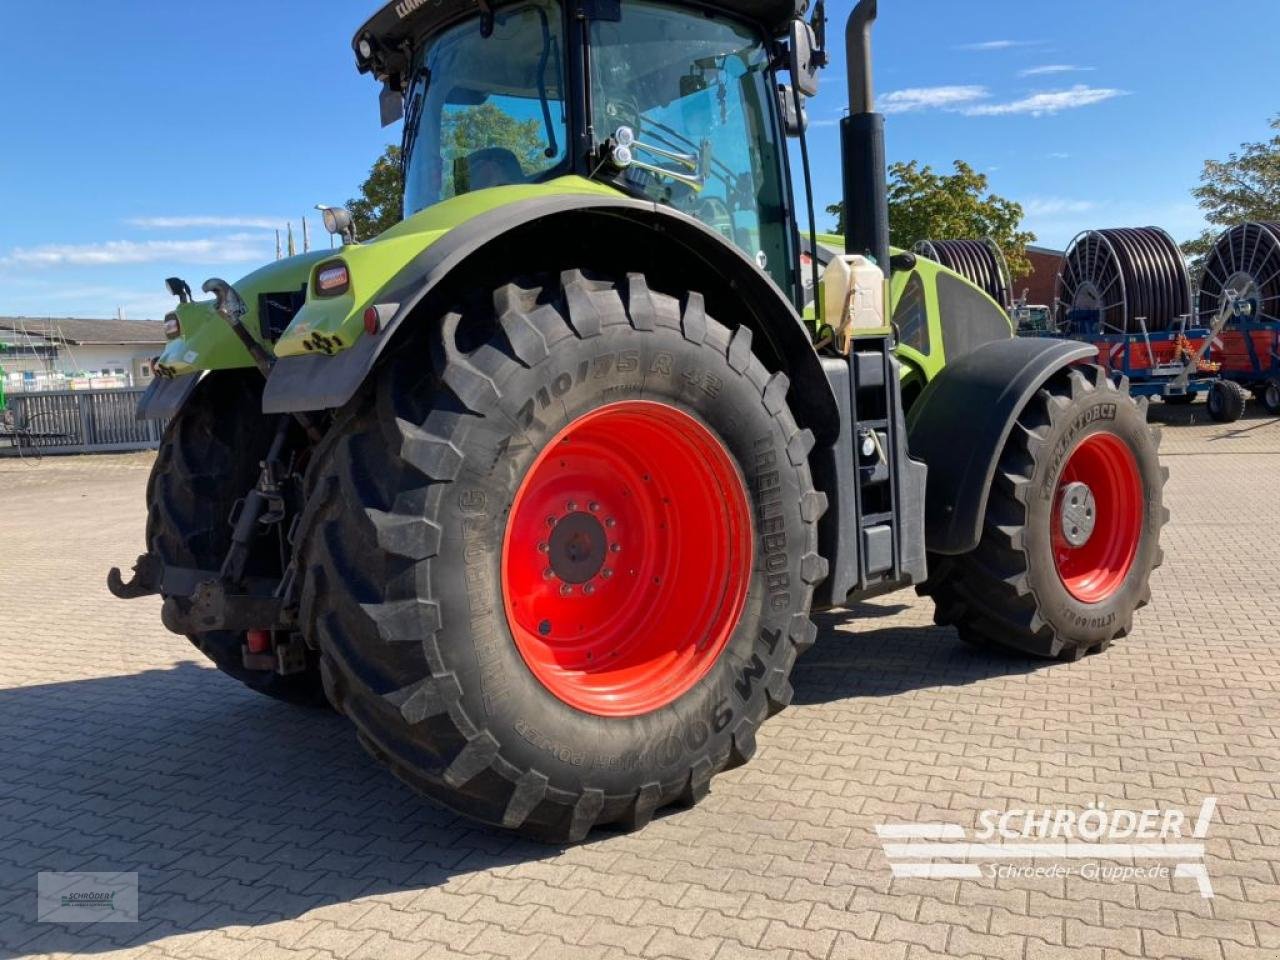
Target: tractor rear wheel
(1226, 401)
(561, 581)
(207, 460)
(1072, 528)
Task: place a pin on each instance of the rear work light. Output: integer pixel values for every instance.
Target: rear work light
(172, 326)
(332, 279)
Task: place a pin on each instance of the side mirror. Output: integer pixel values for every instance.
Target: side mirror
(390, 104)
(792, 124)
(806, 58)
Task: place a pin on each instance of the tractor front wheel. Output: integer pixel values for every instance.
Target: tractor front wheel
(1072, 528)
(562, 580)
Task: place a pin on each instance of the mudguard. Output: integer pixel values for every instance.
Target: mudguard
(165, 396)
(961, 421)
(318, 381)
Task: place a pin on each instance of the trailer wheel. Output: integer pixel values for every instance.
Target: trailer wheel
(1269, 394)
(1072, 526)
(561, 582)
(1226, 401)
(207, 460)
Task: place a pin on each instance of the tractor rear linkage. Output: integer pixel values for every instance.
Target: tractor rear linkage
(226, 599)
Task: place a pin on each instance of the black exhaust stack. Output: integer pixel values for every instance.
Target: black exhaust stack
(866, 197)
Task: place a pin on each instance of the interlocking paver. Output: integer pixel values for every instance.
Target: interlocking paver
(263, 830)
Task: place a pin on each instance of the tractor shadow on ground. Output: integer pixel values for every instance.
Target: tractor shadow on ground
(852, 659)
(1197, 414)
(238, 811)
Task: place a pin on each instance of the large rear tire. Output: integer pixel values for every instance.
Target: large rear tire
(207, 460)
(1072, 528)
(561, 581)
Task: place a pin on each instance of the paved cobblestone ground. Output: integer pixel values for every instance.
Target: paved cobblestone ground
(260, 830)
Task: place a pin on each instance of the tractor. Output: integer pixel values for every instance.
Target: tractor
(542, 486)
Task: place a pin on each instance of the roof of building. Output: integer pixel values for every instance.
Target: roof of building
(1044, 251)
(78, 332)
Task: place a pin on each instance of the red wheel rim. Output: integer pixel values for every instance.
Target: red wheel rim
(1094, 570)
(627, 558)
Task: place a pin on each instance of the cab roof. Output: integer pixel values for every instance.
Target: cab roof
(391, 30)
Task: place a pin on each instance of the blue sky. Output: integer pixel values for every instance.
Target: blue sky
(143, 139)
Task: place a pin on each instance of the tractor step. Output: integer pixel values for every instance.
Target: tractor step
(873, 532)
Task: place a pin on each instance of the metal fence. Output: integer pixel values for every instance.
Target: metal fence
(76, 421)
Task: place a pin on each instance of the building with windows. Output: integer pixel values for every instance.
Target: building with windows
(58, 353)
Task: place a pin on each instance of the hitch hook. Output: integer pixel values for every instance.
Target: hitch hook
(147, 573)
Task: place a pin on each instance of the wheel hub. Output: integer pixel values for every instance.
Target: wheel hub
(577, 548)
(1078, 513)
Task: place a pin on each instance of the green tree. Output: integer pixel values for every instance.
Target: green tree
(488, 125)
(1243, 187)
(927, 205)
(381, 199)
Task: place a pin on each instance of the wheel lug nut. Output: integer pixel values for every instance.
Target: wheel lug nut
(571, 506)
(551, 521)
(565, 590)
(610, 522)
(589, 589)
(548, 573)
(615, 547)
(606, 573)
(544, 547)
(593, 506)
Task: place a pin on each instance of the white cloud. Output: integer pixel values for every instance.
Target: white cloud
(1054, 206)
(930, 98)
(1059, 156)
(970, 100)
(998, 45)
(234, 248)
(1052, 68)
(1046, 104)
(169, 223)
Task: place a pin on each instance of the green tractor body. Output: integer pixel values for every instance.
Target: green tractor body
(542, 485)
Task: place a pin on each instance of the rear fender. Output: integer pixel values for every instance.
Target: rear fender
(961, 421)
(615, 234)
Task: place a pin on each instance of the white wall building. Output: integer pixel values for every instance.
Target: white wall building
(43, 353)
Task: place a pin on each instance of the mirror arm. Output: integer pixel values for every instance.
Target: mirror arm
(688, 161)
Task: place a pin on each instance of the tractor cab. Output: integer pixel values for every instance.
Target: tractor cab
(665, 102)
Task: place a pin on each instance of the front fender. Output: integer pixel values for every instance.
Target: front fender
(960, 423)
